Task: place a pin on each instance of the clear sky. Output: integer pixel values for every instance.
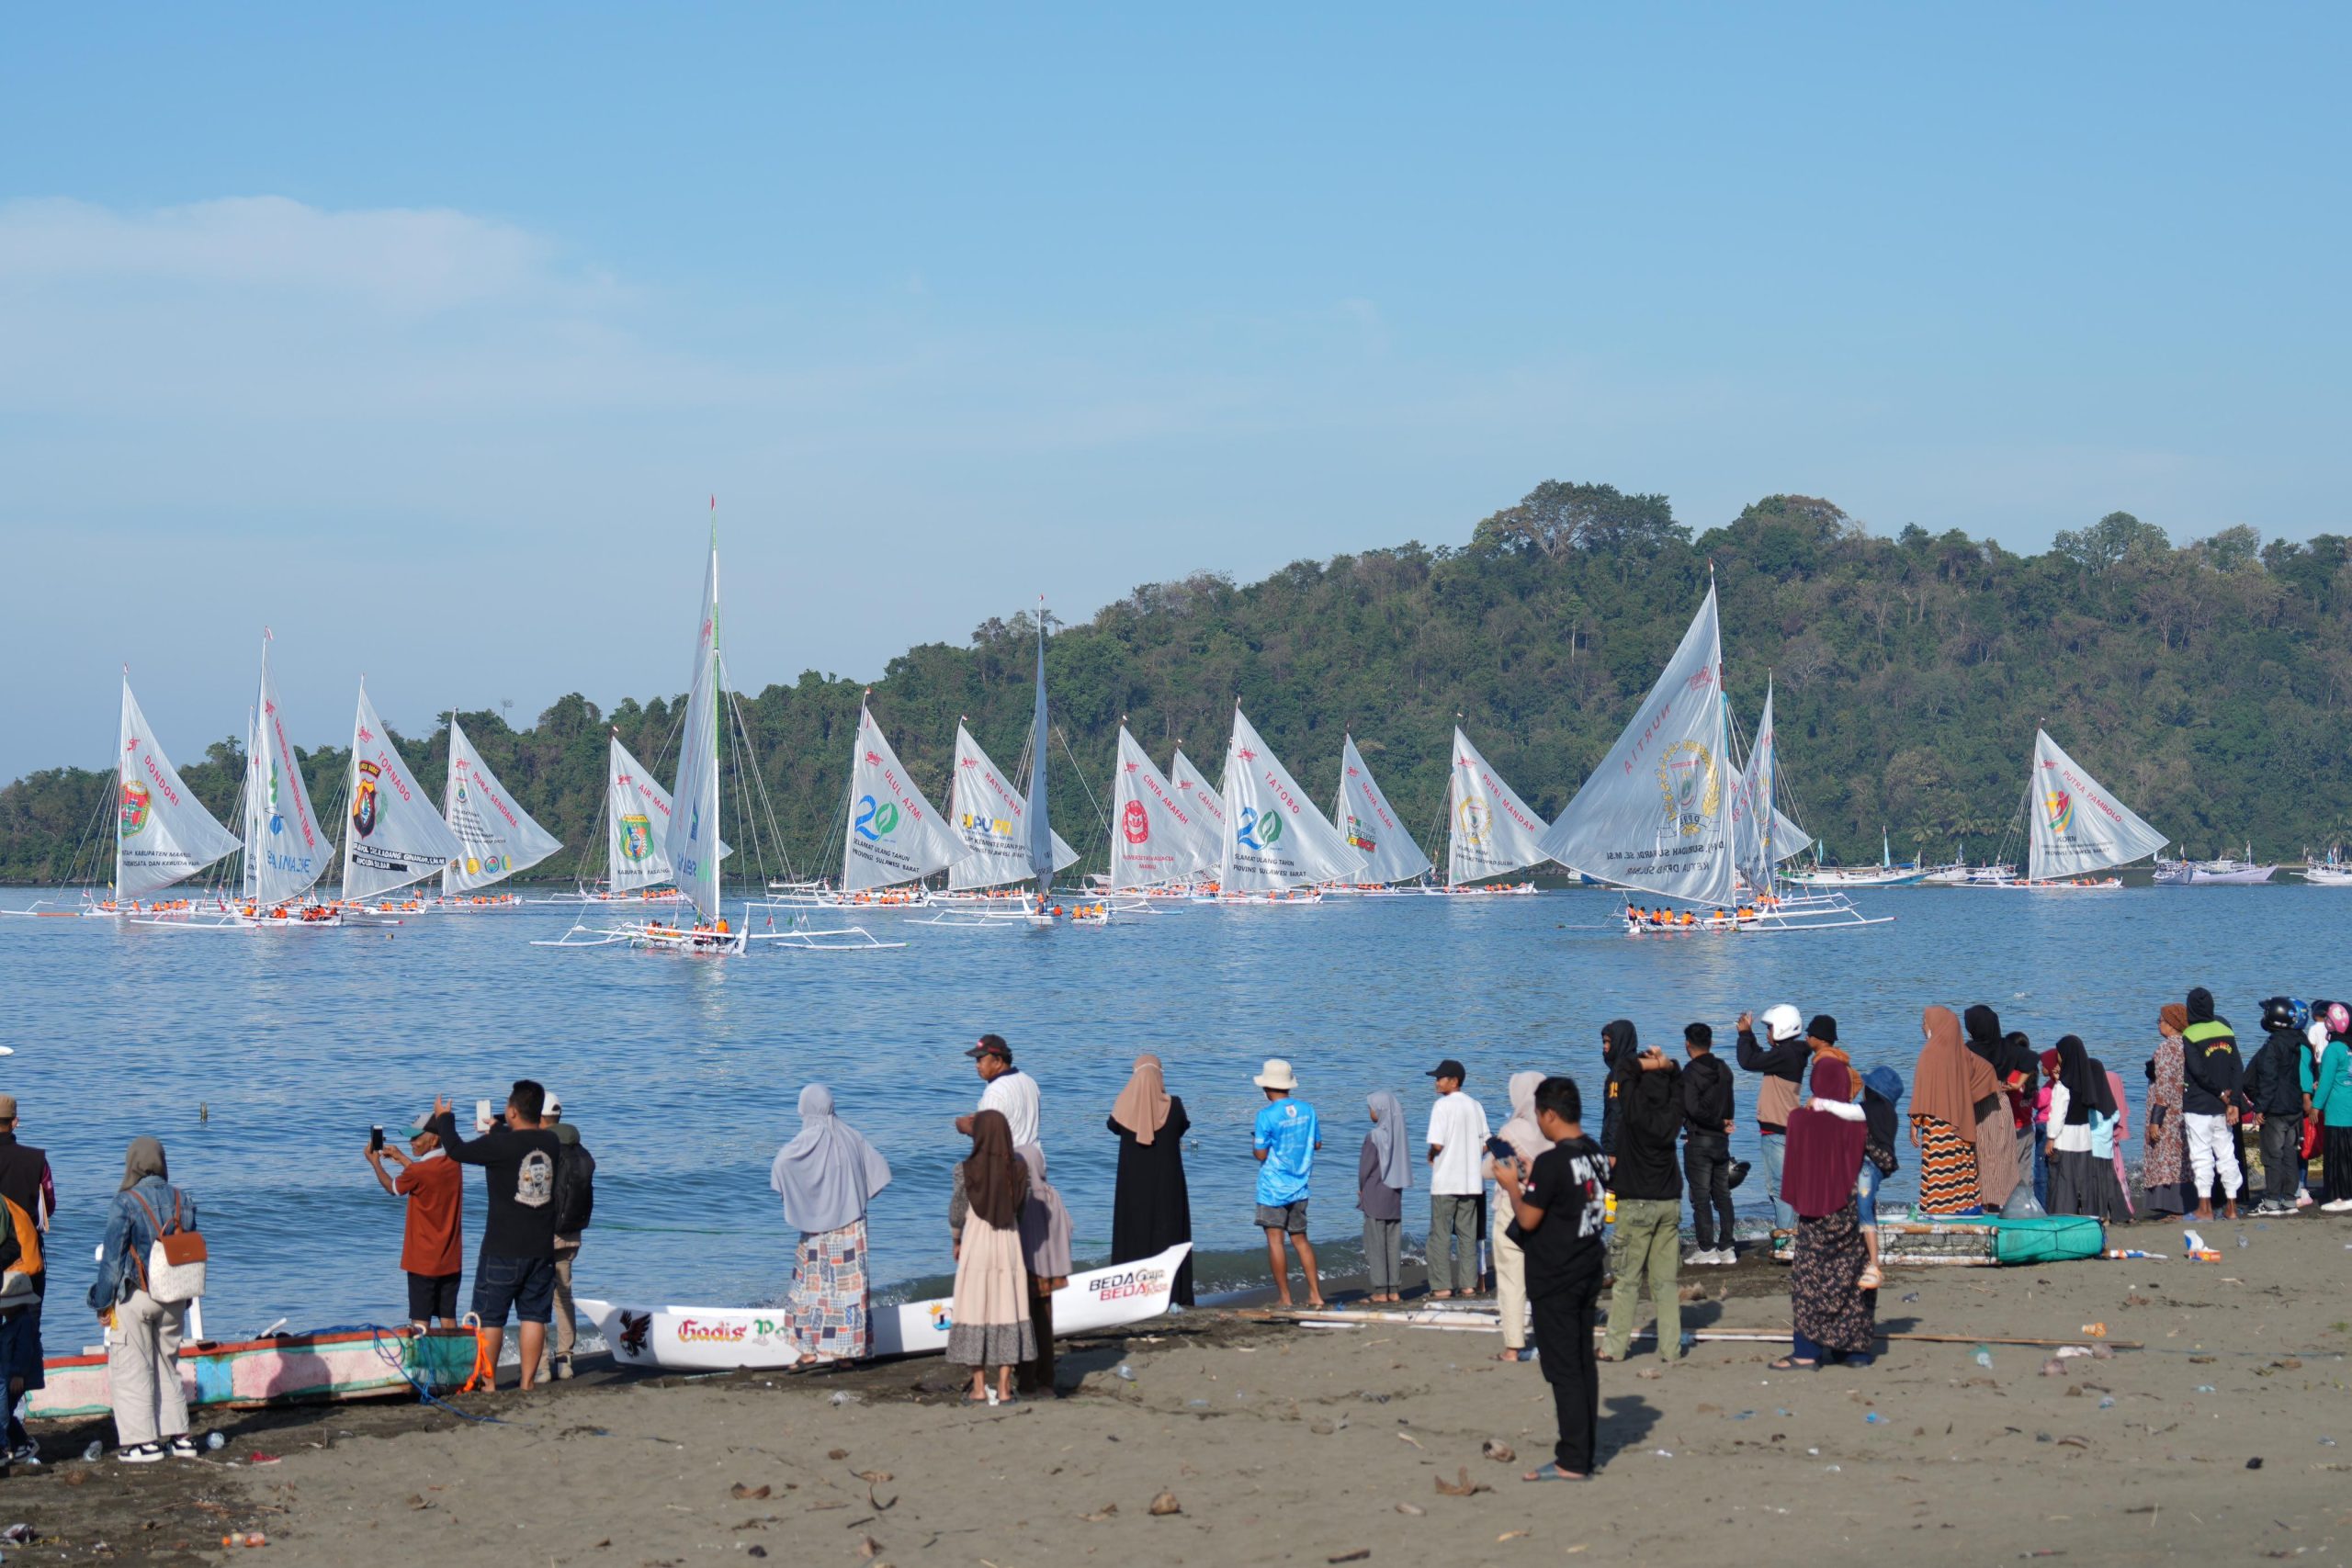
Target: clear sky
(424, 337)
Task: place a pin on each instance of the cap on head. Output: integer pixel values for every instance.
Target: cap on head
(554, 1107)
(991, 1045)
(1450, 1068)
(1277, 1075)
(1782, 1022)
(1822, 1028)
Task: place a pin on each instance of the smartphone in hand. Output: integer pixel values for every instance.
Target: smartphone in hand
(375, 1140)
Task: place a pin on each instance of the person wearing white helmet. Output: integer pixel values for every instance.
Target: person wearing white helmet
(1782, 1062)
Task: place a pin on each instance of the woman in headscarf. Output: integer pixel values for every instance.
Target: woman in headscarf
(1045, 1247)
(1151, 1210)
(1996, 1134)
(2117, 1135)
(143, 1352)
(1949, 1088)
(2332, 1105)
(991, 1305)
(1836, 1313)
(2082, 1181)
(1384, 1170)
(2161, 1169)
(826, 1176)
(1526, 1141)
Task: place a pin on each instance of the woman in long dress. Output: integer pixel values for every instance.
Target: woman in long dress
(1151, 1210)
(1836, 1316)
(1526, 1141)
(1996, 1133)
(1383, 1172)
(1045, 1247)
(827, 1175)
(1949, 1088)
(991, 1305)
(2162, 1168)
(2082, 1179)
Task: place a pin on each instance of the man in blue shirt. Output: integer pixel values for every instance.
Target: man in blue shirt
(1285, 1140)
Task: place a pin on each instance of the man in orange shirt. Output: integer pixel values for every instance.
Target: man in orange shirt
(433, 1244)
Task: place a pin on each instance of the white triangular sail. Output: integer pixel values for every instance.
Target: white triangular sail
(894, 834)
(2078, 827)
(498, 836)
(1755, 829)
(394, 835)
(163, 834)
(286, 848)
(1370, 826)
(1789, 838)
(692, 843)
(1206, 807)
(1492, 832)
(1654, 817)
(992, 819)
(636, 825)
(1277, 838)
(1155, 836)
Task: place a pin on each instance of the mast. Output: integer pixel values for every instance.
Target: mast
(1041, 832)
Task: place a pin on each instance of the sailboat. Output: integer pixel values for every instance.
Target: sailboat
(497, 837)
(1364, 818)
(636, 812)
(163, 834)
(1207, 806)
(1489, 830)
(894, 836)
(286, 846)
(393, 836)
(1159, 841)
(1656, 817)
(1279, 848)
(992, 820)
(1886, 873)
(2076, 828)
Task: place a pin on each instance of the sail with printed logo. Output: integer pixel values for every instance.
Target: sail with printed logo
(1155, 837)
(163, 834)
(1370, 826)
(636, 824)
(286, 848)
(692, 843)
(1654, 815)
(992, 822)
(894, 833)
(2078, 826)
(1206, 807)
(394, 835)
(1489, 830)
(497, 836)
(1276, 838)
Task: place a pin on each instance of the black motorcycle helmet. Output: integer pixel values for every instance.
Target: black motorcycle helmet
(2278, 1013)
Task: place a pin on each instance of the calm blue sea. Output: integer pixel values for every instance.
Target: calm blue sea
(684, 1074)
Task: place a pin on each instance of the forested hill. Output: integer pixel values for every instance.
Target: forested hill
(2207, 684)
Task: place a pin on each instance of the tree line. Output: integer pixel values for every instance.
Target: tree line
(2206, 683)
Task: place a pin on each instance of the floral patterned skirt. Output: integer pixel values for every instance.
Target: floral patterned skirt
(1826, 1294)
(827, 1310)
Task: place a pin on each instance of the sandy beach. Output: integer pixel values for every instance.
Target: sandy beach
(1285, 1444)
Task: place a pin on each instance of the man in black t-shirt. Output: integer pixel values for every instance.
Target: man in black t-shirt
(1557, 1219)
(515, 1268)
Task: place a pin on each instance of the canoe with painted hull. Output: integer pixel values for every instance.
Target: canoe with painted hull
(705, 1339)
(287, 1369)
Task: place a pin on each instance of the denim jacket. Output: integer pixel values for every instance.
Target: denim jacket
(128, 1235)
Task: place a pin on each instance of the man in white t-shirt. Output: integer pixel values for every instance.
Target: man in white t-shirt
(1009, 1089)
(1457, 1147)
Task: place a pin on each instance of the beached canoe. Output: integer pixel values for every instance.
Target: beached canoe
(286, 1369)
(693, 1338)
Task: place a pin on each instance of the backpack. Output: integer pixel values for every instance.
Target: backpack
(575, 1189)
(173, 1270)
(20, 1259)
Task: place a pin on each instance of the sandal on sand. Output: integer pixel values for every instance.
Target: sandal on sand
(1552, 1472)
(1791, 1364)
(1871, 1277)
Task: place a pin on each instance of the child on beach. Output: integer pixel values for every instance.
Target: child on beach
(1557, 1219)
(1285, 1140)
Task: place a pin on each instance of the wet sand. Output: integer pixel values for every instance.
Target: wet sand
(1284, 1444)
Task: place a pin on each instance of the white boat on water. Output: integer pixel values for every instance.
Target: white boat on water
(2224, 871)
(712, 1339)
(1489, 831)
(496, 838)
(2076, 829)
(2329, 873)
(1279, 847)
(1886, 873)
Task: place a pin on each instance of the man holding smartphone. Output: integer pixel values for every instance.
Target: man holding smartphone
(432, 1240)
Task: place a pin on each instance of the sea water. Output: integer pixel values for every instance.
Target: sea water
(261, 1058)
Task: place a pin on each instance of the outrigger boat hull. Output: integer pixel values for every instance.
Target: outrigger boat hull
(286, 1369)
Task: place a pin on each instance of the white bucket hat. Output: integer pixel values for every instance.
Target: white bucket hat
(1276, 1076)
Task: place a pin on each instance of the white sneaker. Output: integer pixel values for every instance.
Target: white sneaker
(2337, 1206)
(184, 1447)
(1698, 1259)
(140, 1453)
(1726, 1256)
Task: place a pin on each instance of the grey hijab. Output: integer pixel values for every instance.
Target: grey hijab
(145, 1159)
(830, 1172)
(1388, 1138)
(1045, 1223)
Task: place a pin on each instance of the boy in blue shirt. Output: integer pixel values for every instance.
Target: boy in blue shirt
(1285, 1140)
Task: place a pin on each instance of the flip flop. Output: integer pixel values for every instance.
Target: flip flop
(1550, 1471)
(1791, 1364)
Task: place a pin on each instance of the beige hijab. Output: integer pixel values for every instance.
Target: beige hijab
(1142, 1105)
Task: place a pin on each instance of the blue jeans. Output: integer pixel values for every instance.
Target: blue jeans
(1776, 1149)
(1866, 1192)
(2041, 1166)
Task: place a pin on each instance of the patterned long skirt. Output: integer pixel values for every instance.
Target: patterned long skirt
(1947, 1168)
(1826, 1294)
(827, 1310)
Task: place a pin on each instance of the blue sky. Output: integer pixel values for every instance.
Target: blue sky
(425, 338)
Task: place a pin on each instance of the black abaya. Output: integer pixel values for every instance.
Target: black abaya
(1151, 1210)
